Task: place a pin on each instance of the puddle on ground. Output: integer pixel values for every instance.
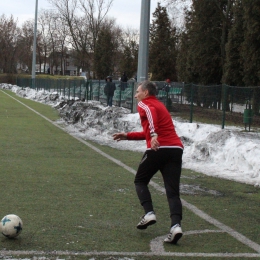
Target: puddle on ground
(197, 190)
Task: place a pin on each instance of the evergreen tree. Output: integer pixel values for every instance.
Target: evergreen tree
(251, 44)
(223, 8)
(203, 41)
(130, 58)
(233, 68)
(183, 61)
(162, 55)
(200, 51)
(103, 56)
(204, 54)
(251, 49)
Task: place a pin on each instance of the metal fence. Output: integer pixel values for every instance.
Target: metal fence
(223, 103)
(82, 89)
(219, 104)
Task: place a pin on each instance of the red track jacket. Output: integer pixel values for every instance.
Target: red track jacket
(155, 118)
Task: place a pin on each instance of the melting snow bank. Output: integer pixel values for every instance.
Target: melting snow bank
(228, 153)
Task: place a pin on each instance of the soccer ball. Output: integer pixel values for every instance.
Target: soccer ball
(11, 226)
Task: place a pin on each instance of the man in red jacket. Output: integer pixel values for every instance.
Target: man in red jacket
(164, 153)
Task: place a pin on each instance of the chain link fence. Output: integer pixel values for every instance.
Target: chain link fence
(216, 104)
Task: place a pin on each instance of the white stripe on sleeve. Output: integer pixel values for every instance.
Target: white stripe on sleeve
(149, 115)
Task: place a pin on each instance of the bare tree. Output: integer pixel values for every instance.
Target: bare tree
(25, 46)
(54, 32)
(9, 38)
(176, 9)
(43, 22)
(62, 44)
(78, 29)
(90, 8)
(67, 11)
(59, 30)
(47, 22)
(84, 19)
(80, 41)
(131, 35)
(129, 52)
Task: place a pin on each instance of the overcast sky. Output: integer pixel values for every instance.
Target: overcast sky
(126, 12)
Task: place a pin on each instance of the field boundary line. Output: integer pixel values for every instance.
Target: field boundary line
(112, 253)
(189, 206)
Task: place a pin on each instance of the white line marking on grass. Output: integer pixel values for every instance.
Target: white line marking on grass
(157, 244)
(223, 227)
(191, 207)
(194, 232)
(108, 253)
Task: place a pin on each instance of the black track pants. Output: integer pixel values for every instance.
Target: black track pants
(169, 162)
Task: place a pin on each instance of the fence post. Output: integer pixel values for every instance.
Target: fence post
(182, 91)
(91, 91)
(231, 99)
(74, 89)
(86, 92)
(69, 90)
(191, 102)
(224, 88)
(120, 94)
(134, 102)
(59, 86)
(98, 89)
(80, 90)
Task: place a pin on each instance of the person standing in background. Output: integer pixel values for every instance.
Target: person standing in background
(109, 90)
(124, 80)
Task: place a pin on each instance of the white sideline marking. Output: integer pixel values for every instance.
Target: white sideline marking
(111, 253)
(157, 244)
(191, 207)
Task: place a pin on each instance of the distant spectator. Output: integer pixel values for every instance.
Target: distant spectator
(109, 90)
(166, 88)
(124, 80)
(124, 77)
(167, 85)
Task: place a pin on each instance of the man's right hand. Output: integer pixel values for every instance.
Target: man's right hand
(120, 136)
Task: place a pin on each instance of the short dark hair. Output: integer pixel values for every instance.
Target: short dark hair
(150, 86)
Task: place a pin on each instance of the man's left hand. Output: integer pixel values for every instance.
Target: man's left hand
(154, 143)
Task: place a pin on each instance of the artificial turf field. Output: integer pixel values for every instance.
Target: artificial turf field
(76, 203)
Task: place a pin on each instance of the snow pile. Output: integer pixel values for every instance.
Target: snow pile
(227, 153)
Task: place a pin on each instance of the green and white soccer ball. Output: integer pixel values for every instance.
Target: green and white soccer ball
(11, 226)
